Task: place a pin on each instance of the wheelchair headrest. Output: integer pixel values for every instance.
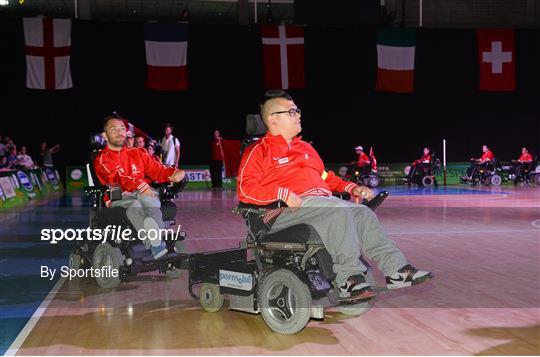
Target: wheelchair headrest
(255, 125)
(96, 142)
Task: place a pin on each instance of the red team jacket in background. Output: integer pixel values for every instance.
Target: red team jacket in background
(363, 160)
(129, 168)
(271, 169)
(488, 155)
(425, 159)
(525, 157)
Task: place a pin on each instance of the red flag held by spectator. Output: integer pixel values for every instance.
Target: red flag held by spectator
(373, 160)
(231, 156)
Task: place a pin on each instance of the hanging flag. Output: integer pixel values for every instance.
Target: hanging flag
(48, 47)
(496, 55)
(283, 56)
(166, 56)
(395, 59)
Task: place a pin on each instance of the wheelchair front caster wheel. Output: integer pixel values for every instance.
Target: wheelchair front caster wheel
(285, 302)
(210, 298)
(109, 257)
(74, 261)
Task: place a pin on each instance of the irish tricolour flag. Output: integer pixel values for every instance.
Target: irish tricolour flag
(395, 59)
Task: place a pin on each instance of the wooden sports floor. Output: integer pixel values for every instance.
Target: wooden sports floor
(482, 244)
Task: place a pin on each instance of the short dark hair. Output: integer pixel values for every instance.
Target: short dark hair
(108, 119)
(169, 125)
(272, 94)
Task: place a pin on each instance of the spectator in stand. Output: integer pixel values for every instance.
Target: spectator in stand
(46, 154)
(9, 144)
(139, 142)
(170, 147)
(12, 158)
(216, 166)
(4, 166)
(130, 140)
(152, 152)
(2, 147)
(24, 159)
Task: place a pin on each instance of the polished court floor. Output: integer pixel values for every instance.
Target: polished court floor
(483, 245)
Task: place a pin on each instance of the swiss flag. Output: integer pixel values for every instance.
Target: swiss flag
(283, 52)
(48, 47)
(496, 54)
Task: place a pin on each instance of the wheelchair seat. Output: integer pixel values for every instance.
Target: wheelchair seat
(299, 233)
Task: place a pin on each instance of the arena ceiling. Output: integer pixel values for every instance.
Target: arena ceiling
(193, 10)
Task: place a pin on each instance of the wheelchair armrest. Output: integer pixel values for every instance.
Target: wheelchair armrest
(92, 190)
(169, 190)
(245, 208)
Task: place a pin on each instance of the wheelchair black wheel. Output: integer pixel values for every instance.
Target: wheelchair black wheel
(373, 181)
(495, 180)
(427, 181)
(74, 261)
(285, 302)
(210, 297)
(106, 255)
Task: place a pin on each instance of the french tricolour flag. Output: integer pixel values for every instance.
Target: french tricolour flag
(166, 56)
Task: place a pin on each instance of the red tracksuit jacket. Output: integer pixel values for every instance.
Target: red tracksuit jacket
(487, 156)
(425, 159)
(270, 169)
(129, 168)
(363, 160)
(525, 157)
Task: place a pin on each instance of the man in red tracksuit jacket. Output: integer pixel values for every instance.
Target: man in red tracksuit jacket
(522, 163)
(424, 161)
(486, 158)
(281, 166)
(132, 169)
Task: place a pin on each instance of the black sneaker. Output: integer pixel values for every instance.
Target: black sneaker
(356, 287)
(407, 276)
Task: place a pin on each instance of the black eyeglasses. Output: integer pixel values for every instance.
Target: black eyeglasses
(292, 112)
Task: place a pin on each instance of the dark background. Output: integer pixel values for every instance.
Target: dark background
(341, 109)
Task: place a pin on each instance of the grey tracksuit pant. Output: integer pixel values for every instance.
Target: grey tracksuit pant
(346, 229)
(138, 208)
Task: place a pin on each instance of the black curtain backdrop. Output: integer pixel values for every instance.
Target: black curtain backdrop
(341, 109)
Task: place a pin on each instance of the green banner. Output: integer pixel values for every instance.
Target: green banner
(198, 175)
(76, 178)
(18, 187)
(393, 174)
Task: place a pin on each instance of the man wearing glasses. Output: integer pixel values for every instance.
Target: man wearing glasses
(129, 167)
(281, 166)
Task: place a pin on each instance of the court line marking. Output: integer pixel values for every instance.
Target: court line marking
(27, 329)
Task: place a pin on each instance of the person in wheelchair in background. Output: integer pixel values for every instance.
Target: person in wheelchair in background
(363, 164)
(132, 169)
(485, 163)
(282, 167)
(522, 167)
(422, 168)
(363, 171)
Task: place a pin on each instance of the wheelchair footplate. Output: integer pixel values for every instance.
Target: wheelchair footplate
(335, 298)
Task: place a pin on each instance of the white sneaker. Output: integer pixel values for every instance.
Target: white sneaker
(407, 276)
